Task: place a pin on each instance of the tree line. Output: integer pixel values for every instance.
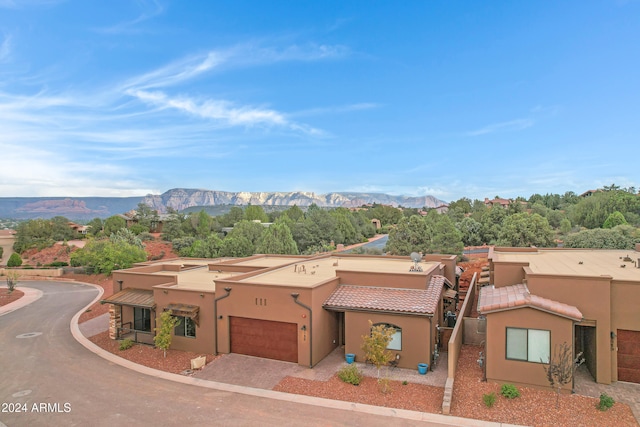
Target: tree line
(609, 218)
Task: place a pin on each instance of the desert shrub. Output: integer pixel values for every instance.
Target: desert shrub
(146, 237)
(489, 399)
(58, 264)
(405, 382)
(14, 260)
(509, 391)
(606, 402)
(126, 344)
(350, 374)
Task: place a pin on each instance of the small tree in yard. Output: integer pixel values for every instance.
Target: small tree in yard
(12, 280)
(375, 345)
(562, 366)
(163, 333)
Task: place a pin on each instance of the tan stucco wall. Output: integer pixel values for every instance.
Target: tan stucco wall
(139, 280)
(387, 280)
(416, 336)
(278, 305)
(204, 341)
(499, 368)
(592, 296)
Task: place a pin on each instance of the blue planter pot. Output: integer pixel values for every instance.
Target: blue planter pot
(423, 368)
(350, 357)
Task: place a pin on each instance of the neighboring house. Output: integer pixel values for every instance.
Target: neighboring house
(291, 308)
(589, 193)
(80, 229)
(156, 225)
(497, 202)
(541, 298)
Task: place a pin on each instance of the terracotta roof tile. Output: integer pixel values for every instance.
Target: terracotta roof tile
(517, 296)
(410, 301)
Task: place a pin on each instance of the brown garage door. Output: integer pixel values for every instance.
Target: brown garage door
(264, 338)
(629, 356)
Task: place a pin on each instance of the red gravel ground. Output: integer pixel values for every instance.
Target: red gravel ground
(533, 408)
(415, 397)
(175, 362)
(6, 297)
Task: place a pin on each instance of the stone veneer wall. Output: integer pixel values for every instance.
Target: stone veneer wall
(115, 318)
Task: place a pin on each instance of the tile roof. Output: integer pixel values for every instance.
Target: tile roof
(397, 300)
(517, 296)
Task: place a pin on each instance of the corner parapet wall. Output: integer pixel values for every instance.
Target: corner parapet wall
(455, 344)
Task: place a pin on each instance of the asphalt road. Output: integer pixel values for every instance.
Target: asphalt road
(54, 381)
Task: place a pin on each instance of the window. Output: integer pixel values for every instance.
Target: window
(529, 345)
(185, 327)
(396, 339)
(141, 319)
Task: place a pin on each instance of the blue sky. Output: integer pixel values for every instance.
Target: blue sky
(448, 98)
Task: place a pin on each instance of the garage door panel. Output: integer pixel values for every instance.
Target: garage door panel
(628, 355)
(264, 338)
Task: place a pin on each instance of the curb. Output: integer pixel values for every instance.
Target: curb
(433, 419)
(30, 295)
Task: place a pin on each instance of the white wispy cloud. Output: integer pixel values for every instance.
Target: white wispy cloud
(150, 9)
(5, 49)
(336, 109)
(176, 72)
(509, 126)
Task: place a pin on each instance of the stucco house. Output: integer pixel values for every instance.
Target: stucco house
(540, 298)
(292, 308)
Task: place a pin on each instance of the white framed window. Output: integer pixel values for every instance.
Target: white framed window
(396, 339)
(529, 345)
(185, 327)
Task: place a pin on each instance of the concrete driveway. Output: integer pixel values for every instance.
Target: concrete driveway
(49, 379)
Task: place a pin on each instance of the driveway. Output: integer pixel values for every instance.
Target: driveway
(48, 378)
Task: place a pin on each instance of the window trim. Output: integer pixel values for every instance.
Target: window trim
(527, 342)
(398, 333)
(145, 317)
(182, 324)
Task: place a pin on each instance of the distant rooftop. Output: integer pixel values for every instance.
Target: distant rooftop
(310, 272)
(577, 262)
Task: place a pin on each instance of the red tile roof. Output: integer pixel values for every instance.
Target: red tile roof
(409, 301)
(517, 296)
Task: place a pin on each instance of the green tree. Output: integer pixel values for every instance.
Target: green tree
(125, 235)
(294, 213)
(236, 247)
(104, 255)
(277, 239)
(616, 218)
(249, 230)
(164, 332)
(147, 218)
(113, 224)
(255, 213)
(14, 260)
(471, 231)
(565, 226)
(94, 227)
(446, 239)
(375, 345)
(524, 230)
(202, 224)
(410, 235)
(598, 238)
(172, 227)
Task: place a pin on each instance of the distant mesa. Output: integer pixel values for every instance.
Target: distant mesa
(60, 207)
(179, 199)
